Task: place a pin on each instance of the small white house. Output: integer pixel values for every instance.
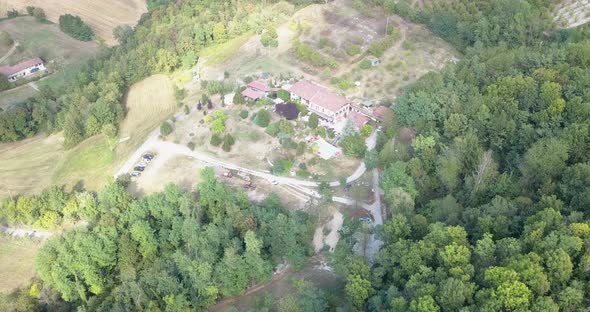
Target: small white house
(23, 70)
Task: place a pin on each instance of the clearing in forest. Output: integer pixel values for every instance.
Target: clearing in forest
(17, 259)
(103, 16)
(572, 13)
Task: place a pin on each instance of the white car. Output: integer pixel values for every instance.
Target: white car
(274, 182)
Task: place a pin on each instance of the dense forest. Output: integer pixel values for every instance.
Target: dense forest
(173, 251)
(169, 37)
(487, 178)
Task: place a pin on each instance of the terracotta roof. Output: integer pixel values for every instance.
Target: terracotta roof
(11, 70)
(381, 110)
(358, 119)
(319, 95)
(260, 86)
(252, 94)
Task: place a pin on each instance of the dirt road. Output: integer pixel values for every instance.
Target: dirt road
(9, 53)
(167, 150)
(19, 233)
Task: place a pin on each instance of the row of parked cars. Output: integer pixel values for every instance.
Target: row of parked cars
(139, 168)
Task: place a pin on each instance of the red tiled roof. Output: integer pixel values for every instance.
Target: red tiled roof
(252, 94)
(11, 70)
(257, 85)
(319, 95)
(381, 110)
(359, 119)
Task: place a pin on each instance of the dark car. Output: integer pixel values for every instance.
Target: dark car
(148, 156)
(139, 168)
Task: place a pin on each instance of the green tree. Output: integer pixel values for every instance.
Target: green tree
(314, 120)
(262, 118)
(166, 128)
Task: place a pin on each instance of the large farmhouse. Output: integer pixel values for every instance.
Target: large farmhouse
(22, 70)
(325, 103)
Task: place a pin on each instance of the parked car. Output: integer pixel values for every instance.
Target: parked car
(143, 164)
(135, 174)
(148, 156)
(139, 168)
(274, 182)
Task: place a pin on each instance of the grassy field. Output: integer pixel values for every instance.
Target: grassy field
(86, 166)
(103, 16)
(46, 41)
(220, 53)
(16, 95)
(17, 259)
(148, 103)
(27, 166)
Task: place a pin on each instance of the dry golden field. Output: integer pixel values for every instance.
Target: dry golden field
(103, 16)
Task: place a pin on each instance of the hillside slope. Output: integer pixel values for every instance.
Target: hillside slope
(103, 16)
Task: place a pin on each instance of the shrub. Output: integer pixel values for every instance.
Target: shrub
(166, 128)
(228, 142)
(353, 50)
(262, 118)
(75, 27)
(191, 145)
(12, 13)
(187, 110)
(39, 14)
(284, 95)
(301, 148)
(273, 129)
(215, 140)
(5, 39)
(244, 114)
(314, 121)
(282, 167)
(365, 64)
(269, 38)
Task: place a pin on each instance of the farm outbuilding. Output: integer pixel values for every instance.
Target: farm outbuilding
(23, 69)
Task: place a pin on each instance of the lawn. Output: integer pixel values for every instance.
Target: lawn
(17, 260)
(46, 41)
(16, 95)
(86, 166)
(148, 103)
(26, 167)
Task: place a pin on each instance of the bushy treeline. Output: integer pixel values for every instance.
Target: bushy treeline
(174, 250)
(487, 185)
(75, 27)
(168, 37)
(48, 210)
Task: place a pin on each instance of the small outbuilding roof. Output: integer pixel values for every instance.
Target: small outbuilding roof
(358, 119)
(380, 111)
(252, 94)
(259, 86)
(11, 70)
